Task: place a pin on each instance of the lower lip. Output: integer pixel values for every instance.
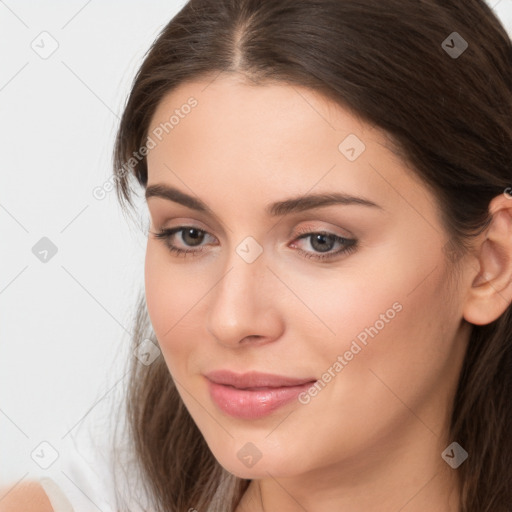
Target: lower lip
(247, 404)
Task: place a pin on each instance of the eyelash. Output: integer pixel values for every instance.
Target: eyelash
(166, 234)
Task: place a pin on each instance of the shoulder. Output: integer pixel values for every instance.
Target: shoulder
(24, 497)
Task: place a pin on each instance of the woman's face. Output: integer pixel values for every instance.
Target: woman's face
(350, 293)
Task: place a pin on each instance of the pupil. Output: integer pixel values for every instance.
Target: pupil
(322, 246)
(195, 236)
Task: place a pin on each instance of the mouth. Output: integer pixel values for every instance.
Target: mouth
(253, 395)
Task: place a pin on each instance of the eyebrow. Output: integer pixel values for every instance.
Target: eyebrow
(279, 208)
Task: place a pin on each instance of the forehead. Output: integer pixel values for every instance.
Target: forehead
(226, 132)
(290, 110)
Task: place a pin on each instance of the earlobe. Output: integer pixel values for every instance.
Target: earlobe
(490, 293)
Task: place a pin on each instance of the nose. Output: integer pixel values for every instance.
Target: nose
(244, 306)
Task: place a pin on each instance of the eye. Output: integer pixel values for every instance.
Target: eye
(324, 242)
(321, 241)
(190, 235)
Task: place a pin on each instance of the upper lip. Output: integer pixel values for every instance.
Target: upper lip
(255, 379)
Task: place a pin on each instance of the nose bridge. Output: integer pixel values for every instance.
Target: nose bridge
(245, 267)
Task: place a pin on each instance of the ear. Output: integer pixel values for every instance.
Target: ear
(491, 290)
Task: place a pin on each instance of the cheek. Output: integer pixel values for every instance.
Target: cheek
(388, 312)
(171, 295)
(389, 356)
(391, 344)
(355, 300)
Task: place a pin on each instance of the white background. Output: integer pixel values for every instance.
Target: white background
(64, 325)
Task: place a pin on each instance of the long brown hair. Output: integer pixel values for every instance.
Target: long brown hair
(448, 115)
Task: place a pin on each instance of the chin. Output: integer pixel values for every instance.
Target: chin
(267, 464)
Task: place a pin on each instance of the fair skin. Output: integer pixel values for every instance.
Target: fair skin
(372, 439)
(24, 497)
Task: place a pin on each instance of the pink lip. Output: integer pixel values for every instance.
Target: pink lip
(253, 395)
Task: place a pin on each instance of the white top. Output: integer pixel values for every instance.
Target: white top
(94, 469)
(57, 497)
(83, 481)
(89, 469)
